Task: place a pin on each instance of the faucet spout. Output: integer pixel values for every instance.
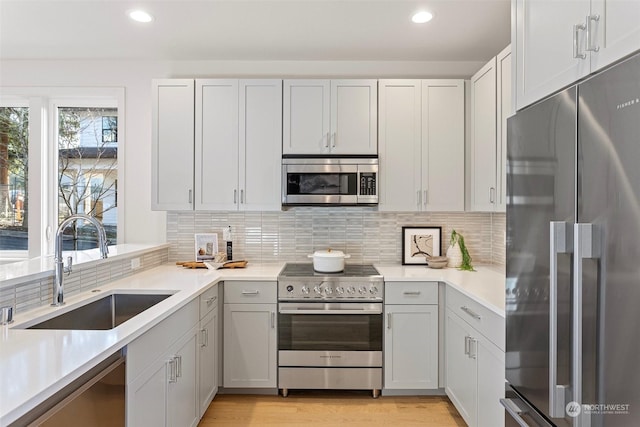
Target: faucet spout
(58, 288)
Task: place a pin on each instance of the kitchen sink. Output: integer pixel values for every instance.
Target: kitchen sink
(105, 313)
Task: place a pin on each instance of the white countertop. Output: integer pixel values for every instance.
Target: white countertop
(485, 285)
(35, 364)
(33, 268)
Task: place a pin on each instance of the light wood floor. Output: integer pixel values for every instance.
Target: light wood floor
(343, 409)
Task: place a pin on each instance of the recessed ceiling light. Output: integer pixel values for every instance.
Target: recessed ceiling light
(422, 17)
(140, 16)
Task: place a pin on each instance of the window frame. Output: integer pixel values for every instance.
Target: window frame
(43, 157)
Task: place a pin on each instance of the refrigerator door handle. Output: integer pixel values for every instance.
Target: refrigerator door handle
(586, 244)
(560, 242)
(514, 410)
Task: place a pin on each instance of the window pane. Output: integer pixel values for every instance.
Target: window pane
(87, 172)
(14, 145)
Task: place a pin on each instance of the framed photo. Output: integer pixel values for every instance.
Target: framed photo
(420, 242)
(206, 246)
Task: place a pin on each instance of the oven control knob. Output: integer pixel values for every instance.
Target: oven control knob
(373, 290)
(340, 290)
(305, 290)
(351, 290)
(317, 290)
(363, 289)
(328, 291)
(289, 288)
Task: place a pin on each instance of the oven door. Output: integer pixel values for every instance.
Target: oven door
(330, 334)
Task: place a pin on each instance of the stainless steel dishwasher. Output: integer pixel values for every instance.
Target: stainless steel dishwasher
(97, 399)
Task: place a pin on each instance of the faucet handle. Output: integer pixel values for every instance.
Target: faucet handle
(6, 315)
(68, 268)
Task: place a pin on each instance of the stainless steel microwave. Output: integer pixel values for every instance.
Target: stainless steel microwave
(329, 181)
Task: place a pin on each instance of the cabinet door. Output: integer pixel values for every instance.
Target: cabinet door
(216, 160)
(399, 133)
(505, 110)
(147, 397)
(260, 145)
(616, 33)
(306, 117)
(172, 145)
(208, 385)
(354, 119)
(544, 44)
(443, 145)
(182, 406)
(411, 347)
(250, 345)
(491, 377)
(483, 138)
(460, 370)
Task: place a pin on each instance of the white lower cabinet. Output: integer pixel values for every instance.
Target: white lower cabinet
(209, 349)
(411, 336)
(162, 373)
(250, 353)
(474, 371)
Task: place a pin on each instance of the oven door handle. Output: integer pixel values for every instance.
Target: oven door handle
(334, 311)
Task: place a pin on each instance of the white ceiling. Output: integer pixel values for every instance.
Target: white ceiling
(377, 30)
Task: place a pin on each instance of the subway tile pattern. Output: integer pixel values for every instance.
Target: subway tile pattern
(38, 292)
(499, 227)
(367, 235)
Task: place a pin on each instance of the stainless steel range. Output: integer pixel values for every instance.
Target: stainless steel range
(330, 328)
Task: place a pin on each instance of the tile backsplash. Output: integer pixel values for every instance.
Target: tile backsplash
(365, 233)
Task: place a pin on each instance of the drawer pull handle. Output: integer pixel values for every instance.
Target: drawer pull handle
(470, 312)
(210, 301)
(411, 293)
(256, 292)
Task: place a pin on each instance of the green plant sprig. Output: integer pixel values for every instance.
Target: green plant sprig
(466, 258)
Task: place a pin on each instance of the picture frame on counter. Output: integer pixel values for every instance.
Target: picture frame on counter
(206, 246)
(420, 242)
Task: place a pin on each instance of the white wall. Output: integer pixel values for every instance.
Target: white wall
(141, 224)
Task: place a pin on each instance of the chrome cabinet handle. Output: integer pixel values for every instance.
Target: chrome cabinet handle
(273, 320)
(173, 375)
(326, 144)
(256, 292)
(235, 196)
(492, 197)
(473, 347)
(178, 367)
(576, 42)
(466, 345)
(190, 195)
(425, 199)
(388, 320)
(210, 301)
(590, 20)
(560, 242)
(470, 312)
(241, 196)
(411, 293)
(204, 337)
(515, 412)
(333, 139)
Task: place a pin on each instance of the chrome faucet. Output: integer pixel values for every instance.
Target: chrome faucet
(58, 289)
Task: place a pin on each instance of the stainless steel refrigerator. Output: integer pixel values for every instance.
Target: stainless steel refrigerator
(573, 255)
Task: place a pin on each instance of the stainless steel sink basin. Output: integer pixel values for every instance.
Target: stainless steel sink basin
(105, 313)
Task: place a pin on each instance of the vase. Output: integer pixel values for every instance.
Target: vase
(454, 253)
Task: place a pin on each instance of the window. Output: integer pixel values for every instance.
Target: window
(58, 156)
(87, 172)
(14, 176)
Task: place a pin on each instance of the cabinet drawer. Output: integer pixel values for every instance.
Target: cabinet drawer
(485, 321)
(208, 300)
(411, 292)
(250, 292)
(153, 343)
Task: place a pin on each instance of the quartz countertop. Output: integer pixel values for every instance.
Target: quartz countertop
(485, 285)
(35, 364)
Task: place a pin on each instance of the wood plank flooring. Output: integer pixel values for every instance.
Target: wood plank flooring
(326, 409)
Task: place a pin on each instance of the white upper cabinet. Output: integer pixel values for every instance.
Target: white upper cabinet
(172, 148)
(559, 42)
(421, 131)
(491, 105)
(336, 117)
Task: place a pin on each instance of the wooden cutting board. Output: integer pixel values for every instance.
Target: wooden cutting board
(228, 264)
